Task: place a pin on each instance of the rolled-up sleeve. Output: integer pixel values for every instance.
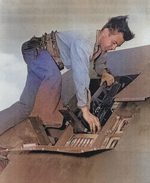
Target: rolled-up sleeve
(79, 52)
(100, 63)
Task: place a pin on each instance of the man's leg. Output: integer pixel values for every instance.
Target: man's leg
(48, 102)
(39, 68)
(21, 109)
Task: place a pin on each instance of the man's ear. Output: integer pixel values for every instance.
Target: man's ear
(106, 32)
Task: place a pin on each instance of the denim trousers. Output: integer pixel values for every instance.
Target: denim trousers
(40, 67)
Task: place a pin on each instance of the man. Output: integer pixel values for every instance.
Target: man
(74, 50)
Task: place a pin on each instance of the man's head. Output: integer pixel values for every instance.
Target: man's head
(114, 33)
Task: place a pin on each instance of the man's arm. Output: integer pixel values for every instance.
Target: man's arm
(80, 72)
(100, 63)
(100, 68)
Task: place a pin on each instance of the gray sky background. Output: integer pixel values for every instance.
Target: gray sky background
(22, 19)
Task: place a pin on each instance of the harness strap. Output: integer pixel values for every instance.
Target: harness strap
(49, 43)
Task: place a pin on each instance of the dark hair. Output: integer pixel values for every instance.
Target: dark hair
(119, 24)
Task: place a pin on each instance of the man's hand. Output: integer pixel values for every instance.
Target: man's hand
(107, 77)
(92, 120)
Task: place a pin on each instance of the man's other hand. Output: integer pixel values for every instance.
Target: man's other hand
(108, 78)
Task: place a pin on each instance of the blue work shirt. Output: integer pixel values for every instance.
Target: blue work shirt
(76, 48)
